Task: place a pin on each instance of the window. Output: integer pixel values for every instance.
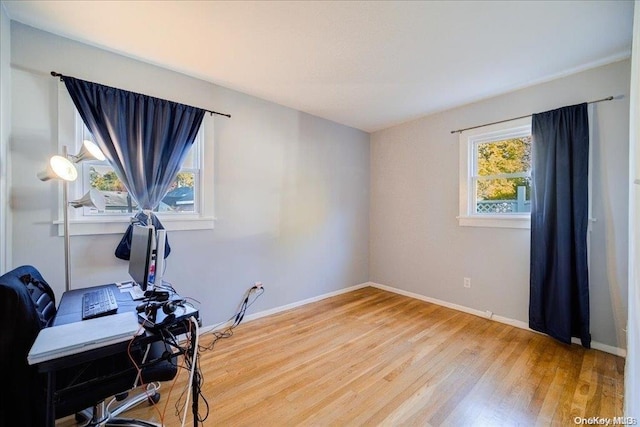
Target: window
(495, 175)
(189, 205)
(180, 199)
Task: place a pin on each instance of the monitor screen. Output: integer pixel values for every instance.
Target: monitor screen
(141, 254)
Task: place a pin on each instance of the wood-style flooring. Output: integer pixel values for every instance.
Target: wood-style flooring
(371, 357)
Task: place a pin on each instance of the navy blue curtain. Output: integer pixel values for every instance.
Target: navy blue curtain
(145, 139)
(559, 283)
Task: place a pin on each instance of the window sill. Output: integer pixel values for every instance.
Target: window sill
(92, 226)
(495, 221)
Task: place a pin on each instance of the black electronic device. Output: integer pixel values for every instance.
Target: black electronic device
(147, 256)
(152, 307)
(156, 314)
(141, 254)
(156, 295)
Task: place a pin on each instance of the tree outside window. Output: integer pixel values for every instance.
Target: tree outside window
(503, 177)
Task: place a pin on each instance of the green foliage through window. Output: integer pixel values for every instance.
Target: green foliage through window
(179, 197)
(496, 162)
(105, 182)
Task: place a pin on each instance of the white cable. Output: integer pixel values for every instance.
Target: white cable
(193, 368)
(144, 360)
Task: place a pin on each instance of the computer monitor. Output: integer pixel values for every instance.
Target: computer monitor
(141, 254)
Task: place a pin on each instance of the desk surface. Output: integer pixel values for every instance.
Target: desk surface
(70, 311)
(70, 306)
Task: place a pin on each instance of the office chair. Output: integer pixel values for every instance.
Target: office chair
(27, 304)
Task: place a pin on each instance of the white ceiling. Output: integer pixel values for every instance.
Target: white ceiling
(369, 64)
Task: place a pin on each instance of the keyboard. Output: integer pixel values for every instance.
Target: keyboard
(99, 302)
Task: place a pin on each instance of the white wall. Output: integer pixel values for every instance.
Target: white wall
(291, 190)
(5, 131)
(417, 245)
(632, 366)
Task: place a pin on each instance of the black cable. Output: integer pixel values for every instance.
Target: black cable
(167, 286)
(237, 318)
(226, 333)
(199, 382)
(202, 398)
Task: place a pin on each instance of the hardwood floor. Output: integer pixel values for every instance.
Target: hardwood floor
(371, 357)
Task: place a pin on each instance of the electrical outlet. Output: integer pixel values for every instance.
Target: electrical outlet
(467, 282)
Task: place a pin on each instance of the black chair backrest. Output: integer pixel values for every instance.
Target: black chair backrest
(27, 304)
(42, 296)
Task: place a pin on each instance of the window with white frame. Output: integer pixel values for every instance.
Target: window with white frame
(181, 199)
(495, 175)
(188, 205)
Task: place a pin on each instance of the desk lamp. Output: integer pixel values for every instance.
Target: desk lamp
(62, 168)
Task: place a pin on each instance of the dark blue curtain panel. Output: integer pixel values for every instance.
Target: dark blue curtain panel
(559, 282)
(145, 139)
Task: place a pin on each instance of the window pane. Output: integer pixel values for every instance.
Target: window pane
(180, 197)
(506, 156)
(505, 195)
(102, 177)
(190, 161)
(86, 134)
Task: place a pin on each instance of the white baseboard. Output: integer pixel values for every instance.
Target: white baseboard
(484, 314)
(275, 310)
(489, 315)
(305, 301)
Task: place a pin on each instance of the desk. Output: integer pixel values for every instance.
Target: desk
(70, 310)
(70, 306)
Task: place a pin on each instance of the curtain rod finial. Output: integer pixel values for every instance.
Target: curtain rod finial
(54, 74)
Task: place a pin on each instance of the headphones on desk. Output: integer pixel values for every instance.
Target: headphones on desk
(150, 308)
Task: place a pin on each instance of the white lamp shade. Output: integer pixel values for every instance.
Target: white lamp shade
(59, 168)
(89, 150)
(93, 198)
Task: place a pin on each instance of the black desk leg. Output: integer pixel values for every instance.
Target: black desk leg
(51, 408)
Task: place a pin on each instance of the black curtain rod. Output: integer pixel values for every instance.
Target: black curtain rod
(54, 74)
(609, 98)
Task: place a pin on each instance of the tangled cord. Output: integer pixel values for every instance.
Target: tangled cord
(192, 359)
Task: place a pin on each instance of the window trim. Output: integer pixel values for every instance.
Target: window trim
(467, 141)
(70, 129)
